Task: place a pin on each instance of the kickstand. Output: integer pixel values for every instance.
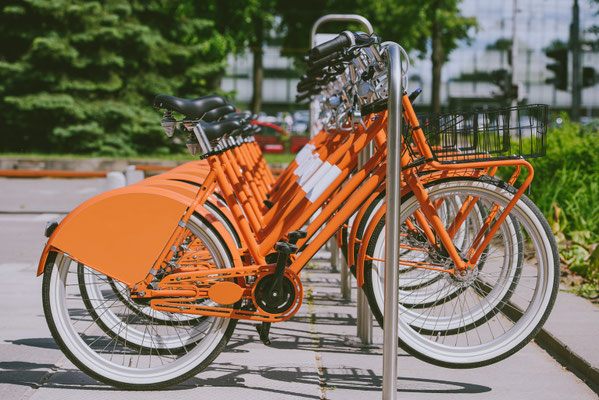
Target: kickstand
(264, 330)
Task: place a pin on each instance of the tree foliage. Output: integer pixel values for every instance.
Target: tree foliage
(79, 76)
(406, 22)
(413, 24)
(248, 24)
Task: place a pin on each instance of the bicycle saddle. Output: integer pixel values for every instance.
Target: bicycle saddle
(245, 116)
(218, 113)
(251, 130)
(219, 129)
(191, 108)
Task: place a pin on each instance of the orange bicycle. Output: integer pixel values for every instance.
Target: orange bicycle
(143, 285)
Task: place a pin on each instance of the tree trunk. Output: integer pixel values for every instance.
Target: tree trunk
(258, 70)
(438, 57)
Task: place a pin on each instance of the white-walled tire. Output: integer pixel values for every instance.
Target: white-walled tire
(109, 359)
(502, 308)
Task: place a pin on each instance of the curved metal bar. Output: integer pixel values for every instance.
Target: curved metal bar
(341, 18)
(328, 18)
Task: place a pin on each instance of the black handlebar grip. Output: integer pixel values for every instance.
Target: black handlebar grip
(329, 47)
(316, 73)
(322, 62)
(308, 85)
(302, 96)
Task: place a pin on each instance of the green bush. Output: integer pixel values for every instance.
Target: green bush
(566, 189)
(568, 176)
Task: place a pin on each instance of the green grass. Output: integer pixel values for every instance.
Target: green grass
(281, 158)
(587, 290)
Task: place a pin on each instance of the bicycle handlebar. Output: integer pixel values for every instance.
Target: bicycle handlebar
(324, 61)
(310, 84)
(345, 39)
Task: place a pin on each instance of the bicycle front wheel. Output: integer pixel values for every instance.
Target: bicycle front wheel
(499, 306)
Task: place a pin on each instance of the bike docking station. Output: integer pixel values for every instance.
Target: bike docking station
(393, 54)
(174, 261)
(364, 316)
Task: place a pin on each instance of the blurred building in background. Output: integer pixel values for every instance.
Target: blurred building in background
(280, 79)
(540, 23)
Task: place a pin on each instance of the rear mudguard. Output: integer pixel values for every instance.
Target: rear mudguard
(213, 204)
(121, 233)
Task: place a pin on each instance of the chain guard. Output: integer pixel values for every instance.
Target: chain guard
(200, 282)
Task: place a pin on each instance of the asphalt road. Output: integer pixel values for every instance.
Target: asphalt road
(314, 355)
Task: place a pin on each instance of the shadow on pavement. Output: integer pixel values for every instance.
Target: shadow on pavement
(231, 375)
(44, 343)
(334, 379)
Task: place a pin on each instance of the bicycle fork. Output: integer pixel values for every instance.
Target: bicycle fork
(486, 232)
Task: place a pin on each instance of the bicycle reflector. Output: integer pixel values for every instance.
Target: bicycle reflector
(168, 123)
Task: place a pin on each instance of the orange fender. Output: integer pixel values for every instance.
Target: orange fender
(380, 213)
(185, 177)
(121, 233)
(189, 190)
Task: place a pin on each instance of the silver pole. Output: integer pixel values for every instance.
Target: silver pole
(335, 261)
(363, 312)
(514, 55)
(391, 226)
(364, 318)
(338, 17)
(576, 68)
(328, 18)
(345, 275)
(334, 251)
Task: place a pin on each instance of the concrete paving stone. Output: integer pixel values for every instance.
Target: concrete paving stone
(47, 194)
(18, 376)
(529, 374)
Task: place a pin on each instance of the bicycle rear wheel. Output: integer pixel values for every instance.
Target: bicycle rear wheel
(121, 346)
(495, 310)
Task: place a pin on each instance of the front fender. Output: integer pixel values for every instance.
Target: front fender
(121, 233)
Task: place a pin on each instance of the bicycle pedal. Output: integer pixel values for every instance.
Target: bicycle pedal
(264, 331)
(285, 248)
(271, 258)
(296, 235)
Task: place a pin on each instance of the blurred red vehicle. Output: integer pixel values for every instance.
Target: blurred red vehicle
(269, 139)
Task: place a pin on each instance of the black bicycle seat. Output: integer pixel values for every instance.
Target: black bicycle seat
(217, 130)
(251, 130)
(245, 116)
(191, 108)
(218, 113)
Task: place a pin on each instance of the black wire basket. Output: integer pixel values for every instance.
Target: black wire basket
(486, 135)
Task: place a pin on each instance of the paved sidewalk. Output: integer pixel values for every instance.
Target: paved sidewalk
(314, 355)
(571, 334)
